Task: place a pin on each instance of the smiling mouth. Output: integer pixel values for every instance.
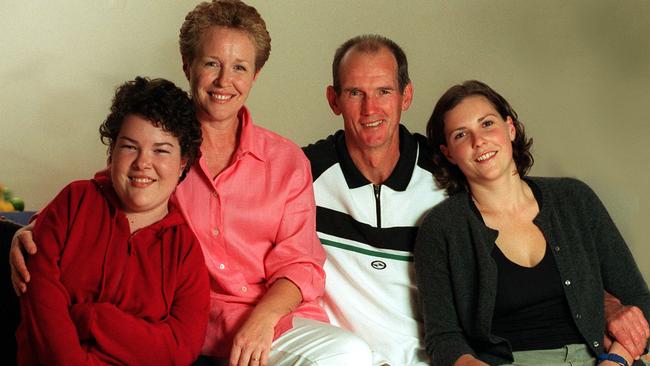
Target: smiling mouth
(220, 97)
(486, 156)
(141, 181)
(373, 124)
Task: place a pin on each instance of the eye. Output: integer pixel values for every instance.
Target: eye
(459, 135)
(487, 123)
(127, 147)
(354, 92)
(162, 151)
(385, 91)
(240, 68)
(212, 64)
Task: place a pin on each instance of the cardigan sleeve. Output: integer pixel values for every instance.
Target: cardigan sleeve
(298, 254)
(443, 336)
(620, 273)
(46, 327)
(132, 340)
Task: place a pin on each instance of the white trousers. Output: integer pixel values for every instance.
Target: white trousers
(311, 343)
(314, 343)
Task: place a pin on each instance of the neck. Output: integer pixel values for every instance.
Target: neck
(216, 138)
(375, 164)
(509, 194)
(138, 220)
(219, 145)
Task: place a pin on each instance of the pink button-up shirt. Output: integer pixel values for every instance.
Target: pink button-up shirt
(256, 223)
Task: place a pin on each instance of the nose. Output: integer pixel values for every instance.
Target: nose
(477, 140)
(142, 161)
(222, 78)
(368, 105)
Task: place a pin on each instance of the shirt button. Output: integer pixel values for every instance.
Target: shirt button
(215, 232)
(244, 289)
(222, 266)
(567, 282)
(215, 194)
(578, 316)
(596, 344)
(557, 248)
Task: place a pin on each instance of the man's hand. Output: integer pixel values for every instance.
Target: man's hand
(626, 325)
(22, 240)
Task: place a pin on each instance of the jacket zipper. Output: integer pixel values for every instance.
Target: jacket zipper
(377, 189)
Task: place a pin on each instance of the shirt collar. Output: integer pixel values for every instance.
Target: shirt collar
(248, 141)
(401, 175)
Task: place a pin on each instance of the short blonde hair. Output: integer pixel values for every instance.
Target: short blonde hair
(225, 13)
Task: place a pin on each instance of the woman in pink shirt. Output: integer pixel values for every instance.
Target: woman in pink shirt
(249, 200)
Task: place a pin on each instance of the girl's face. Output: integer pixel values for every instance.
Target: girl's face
(479, 140)
(145, 166)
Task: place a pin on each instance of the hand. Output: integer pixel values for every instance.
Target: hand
(469, 360)
(627, 325)
(252, 343)
(618, 349)
(22, 240)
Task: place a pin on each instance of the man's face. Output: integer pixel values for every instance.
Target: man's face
(370, 101)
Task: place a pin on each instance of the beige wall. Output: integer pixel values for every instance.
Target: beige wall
(578, 73)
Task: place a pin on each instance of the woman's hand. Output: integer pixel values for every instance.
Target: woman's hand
(469, 360)
(252, 343)
(22, 240)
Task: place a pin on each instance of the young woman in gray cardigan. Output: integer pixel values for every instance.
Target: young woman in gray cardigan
(512, 269)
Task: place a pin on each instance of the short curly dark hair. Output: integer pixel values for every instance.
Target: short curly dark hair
(162, 103)
(449, 176)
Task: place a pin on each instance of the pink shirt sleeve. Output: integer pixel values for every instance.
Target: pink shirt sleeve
(298, 254)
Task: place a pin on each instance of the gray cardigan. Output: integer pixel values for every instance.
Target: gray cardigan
(457, 276)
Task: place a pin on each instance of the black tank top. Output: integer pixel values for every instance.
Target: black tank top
(531, 311)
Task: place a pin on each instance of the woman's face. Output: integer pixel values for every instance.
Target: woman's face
(221, 74)
(145, 166)
(478, 140)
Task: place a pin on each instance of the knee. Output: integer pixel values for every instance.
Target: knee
(348, 349)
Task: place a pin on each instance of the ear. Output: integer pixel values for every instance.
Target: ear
(186, 69)
(407, 96)
(445, 152)
(257, 73)
(332, 100)
(512, 131)
(183, 165)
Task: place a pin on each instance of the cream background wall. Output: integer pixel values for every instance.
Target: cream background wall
(577, 72)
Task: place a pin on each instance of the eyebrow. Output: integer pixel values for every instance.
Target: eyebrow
(157, 144)
(238, 60)
(479, 120)
(376, 88)
(486, 116)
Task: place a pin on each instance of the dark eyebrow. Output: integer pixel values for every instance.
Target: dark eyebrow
(486, 116)
(128, 139)
(157, 144)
